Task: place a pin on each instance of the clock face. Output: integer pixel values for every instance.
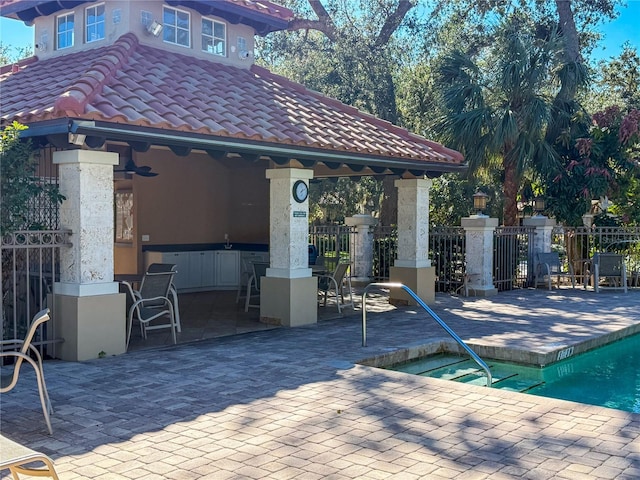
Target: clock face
(300, 191)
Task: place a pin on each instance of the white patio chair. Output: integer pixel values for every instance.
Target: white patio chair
(24, 355)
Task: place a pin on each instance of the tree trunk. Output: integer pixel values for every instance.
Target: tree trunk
(562, 103)
(511, 184)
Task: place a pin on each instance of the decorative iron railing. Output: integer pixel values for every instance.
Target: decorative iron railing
(333, 243)
(30, 264)
(576, 245)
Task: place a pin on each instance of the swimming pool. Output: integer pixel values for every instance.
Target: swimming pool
(608, 376)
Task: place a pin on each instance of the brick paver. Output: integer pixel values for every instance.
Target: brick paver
(294, 403)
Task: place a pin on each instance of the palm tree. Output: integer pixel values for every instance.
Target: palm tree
(497, 106)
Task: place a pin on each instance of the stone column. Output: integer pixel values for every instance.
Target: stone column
(362, 245)
(543, 237)
(90, 312)
(479, 254)
(544, 228)
(413, 267)
(288, 294)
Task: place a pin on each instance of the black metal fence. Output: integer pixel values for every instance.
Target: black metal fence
(385, 250)
(30, 264)
(332, 242)
(576, 245)
(513, 257)
(447, 246)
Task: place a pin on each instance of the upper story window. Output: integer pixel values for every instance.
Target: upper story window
(177, 26)
(64, 31)
(214, 37)
(95, 23)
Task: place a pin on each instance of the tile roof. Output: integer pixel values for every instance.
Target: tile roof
(29, 9)
(133, 84)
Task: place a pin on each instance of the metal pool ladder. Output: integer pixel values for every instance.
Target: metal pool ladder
(433, 314)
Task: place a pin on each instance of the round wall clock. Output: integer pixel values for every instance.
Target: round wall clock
(300, 191)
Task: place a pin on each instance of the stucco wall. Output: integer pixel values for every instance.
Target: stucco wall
(197, 199)
(129, 20)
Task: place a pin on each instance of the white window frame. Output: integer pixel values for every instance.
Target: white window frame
(213, 37)
(95, 24)
(64, 33)
(167, 27)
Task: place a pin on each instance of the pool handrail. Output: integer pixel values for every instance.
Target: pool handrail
(433, 314)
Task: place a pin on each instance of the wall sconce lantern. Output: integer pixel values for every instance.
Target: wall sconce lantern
(154, 28)
(480, 202)
(539, 205)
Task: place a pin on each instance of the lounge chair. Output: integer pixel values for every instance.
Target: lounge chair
(24, 355)
(549, 266)
(18, 459)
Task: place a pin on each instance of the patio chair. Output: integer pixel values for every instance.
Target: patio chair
(18, 459)
(169, 267)
(258, 270)
(608, 271)
(245, 274)
(549, 266)
(150, 303)
(23, 355)
(337, 282)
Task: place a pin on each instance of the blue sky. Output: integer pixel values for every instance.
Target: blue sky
(624, 29)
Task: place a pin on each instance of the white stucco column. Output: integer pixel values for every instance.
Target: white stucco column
(90, 310)
(288, 294)
(479, 254)
(544, 228)
(543, 238)
(362, 245)
(413, 266)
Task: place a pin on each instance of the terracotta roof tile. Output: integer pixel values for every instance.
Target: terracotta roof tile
(131, 83)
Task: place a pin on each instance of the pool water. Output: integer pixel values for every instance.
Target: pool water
(608, 376)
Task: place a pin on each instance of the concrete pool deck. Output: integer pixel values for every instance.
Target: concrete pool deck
(294, 403)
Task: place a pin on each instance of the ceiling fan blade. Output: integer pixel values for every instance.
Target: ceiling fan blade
(143, 170)
(146, 174)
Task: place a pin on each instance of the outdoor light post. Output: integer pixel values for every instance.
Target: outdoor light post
(544, 226)
(480, 203)
(479, 230)
(539, 205)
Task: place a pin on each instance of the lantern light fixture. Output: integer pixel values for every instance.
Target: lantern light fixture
(480, 202)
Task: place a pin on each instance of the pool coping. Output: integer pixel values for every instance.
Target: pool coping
(546, 355)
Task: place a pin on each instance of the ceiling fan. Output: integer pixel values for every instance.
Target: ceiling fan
(143, 170)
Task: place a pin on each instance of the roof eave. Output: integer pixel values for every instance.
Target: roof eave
(155, 136)
(211, 142)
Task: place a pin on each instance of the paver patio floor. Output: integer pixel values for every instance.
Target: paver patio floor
(293, 403)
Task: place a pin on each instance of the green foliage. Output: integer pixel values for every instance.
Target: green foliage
(18, 184)
(334, 199)
(497, 104)
(354, 65)
(10, 54)
(616, 82)
(451, 198)
(599, 159)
